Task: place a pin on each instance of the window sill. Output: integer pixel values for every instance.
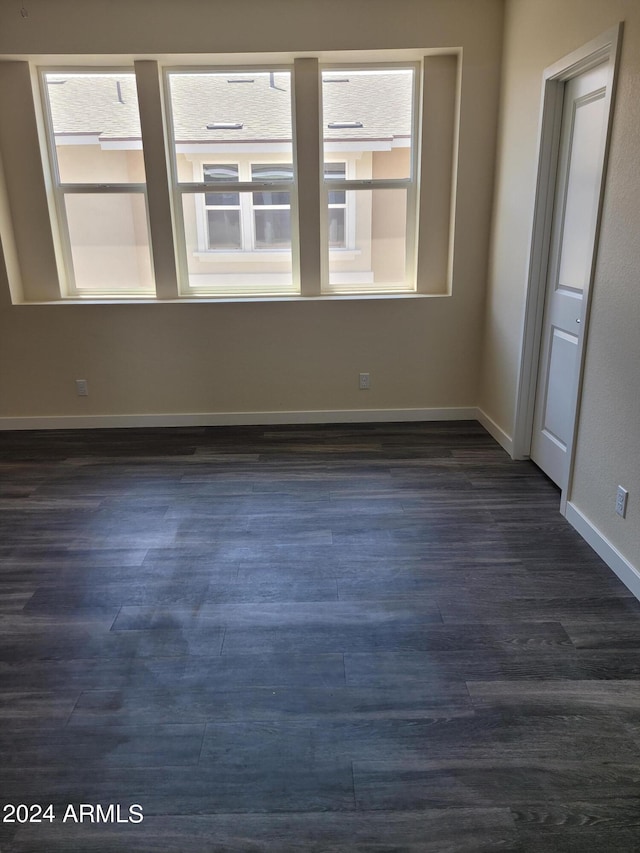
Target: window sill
(240, 256)
(266, 255)
(344, 254)
(209, 298)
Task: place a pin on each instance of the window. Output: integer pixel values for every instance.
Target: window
(236, 207)
(232, 142)
(256, 198)
(95, 145)
(370, 113)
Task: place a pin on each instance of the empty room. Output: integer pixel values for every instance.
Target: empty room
(319, 426)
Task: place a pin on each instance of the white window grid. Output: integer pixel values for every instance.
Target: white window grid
(352, 185)
(244, 187)
(62, 189)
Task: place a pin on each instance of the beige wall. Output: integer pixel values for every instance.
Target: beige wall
(538, 33)
(174, 358)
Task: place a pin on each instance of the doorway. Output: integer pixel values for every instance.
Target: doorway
(575, 127)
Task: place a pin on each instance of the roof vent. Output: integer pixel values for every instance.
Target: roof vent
(240, 80)
(335, 79)
(225, 125)
(344, 124)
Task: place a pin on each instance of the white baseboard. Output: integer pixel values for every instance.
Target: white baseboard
(495, 431)
(238, 418)
(628, 574)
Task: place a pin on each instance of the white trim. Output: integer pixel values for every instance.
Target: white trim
(218, 148)
(320, 416)
(119, 145)
(77, 139)
(359, 145)
(628, 574)
(496, 431)
(242, 256)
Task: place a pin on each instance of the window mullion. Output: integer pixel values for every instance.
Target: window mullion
(306, 116)
(436, 203)
(157, 178)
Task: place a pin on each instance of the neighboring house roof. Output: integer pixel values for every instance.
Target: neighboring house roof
(376, 104)
(94, 104)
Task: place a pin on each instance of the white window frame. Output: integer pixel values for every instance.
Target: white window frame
(243, 187)
(61, 190)
(352, 185)
(430, 274)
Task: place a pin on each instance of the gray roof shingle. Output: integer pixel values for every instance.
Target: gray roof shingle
(106, 105)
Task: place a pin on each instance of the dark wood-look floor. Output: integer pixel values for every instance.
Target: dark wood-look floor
(331, 639)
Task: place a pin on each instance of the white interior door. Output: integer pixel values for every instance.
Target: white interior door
(573, 236)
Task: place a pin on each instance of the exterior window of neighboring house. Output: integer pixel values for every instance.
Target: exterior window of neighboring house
(232, 140)
(262, 220)
(370, 112)
(258, 220)
(271, 208)
(224, 227)
(98, 173)
(337, 202)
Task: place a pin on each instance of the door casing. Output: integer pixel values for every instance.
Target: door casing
(605, 48)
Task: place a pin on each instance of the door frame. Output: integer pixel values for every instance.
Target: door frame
(604, 48)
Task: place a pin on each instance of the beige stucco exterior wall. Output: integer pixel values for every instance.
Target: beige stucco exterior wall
(263, 356)
(538, 33)
(389, 216)
(109, 234)
(380, 218)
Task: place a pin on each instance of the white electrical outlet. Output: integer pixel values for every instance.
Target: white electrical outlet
(82, 388)
(621, 501)
(365, 382)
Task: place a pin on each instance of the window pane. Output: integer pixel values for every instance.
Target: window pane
(218, 108)
(109, 242)
(271, 198)
(272, 172)
(374, 110)
(337, 197)
(222, 199)
(224, 229)
(335, 171)
(273, 229)
(376, 243)
(220, 174)
(336, 228)
(96, 128)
